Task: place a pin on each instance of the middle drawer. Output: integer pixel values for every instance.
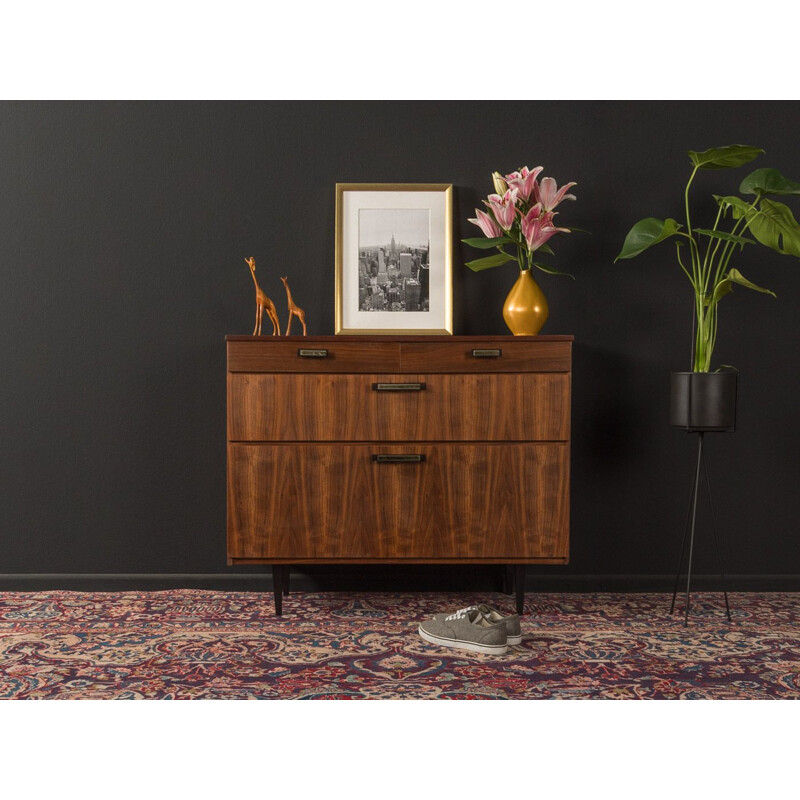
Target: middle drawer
(440, 407)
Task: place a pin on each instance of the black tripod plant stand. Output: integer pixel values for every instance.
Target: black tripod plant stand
(691, 518)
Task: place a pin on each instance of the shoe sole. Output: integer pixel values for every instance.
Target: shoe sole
(460, 644)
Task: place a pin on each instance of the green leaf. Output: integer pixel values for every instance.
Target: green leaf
(552, 270)
(725, 286)
(489, 262)
(768, 181)
(737, 277)
(728, 237)
(482, 243)
(774, 226)
(732, 201)
(734, 155)
(545, 248)
(646, 233)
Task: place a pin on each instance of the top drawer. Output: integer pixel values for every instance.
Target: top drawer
(311, 356)
(490, 356)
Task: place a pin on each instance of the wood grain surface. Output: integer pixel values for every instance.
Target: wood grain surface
(457, 356)
(333, 501)
(452, 407)
(282, 356)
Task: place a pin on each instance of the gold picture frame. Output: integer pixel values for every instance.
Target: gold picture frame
(366, 212)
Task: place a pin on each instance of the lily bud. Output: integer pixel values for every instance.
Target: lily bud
(500, 186)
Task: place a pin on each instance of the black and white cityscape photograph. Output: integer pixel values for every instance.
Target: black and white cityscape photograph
(393, 266)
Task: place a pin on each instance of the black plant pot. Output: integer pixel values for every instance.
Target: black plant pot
(703, 401)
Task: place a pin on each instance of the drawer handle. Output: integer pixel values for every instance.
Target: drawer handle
(398, 458)
(487, 353)
(304, 353)
(398, 387)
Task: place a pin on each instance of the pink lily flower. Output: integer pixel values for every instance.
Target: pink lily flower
(549, 195)
(489, 227)
(524, 181)
(537, 227)
(504, 208)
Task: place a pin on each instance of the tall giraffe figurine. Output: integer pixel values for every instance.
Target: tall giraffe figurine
(294, 310)
(263, 302)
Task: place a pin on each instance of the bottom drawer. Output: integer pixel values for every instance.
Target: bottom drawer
(433, 501)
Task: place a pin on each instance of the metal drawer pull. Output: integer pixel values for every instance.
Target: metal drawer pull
(487, 353)
(398, 458)
(398, 387)
(312, 353)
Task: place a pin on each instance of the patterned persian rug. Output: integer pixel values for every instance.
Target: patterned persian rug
(190, 644)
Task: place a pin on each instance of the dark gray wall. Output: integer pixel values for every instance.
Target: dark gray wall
(123, 228)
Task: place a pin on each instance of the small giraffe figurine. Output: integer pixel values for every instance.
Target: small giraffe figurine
(294, 310)
(263, 302)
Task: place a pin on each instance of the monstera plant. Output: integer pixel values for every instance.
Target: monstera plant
(706, 255)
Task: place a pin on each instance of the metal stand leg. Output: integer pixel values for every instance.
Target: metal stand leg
(519, 586)
(691, 519)
(694, 518)
(720, 554)
(277, 588)
(683, 545)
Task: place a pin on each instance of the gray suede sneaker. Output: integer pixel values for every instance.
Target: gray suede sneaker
(466, 630)
(491, 614)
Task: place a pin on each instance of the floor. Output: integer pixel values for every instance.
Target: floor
(191, 644)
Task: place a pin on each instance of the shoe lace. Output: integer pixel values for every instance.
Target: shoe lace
(461, 613)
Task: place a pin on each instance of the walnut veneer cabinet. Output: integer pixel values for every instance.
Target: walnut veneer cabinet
(412, 450)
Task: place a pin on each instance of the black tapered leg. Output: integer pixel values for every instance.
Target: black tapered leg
(508, 579)
(285, 579)
(277, 588)
(519, 586)
(694, 519)
(720, 553)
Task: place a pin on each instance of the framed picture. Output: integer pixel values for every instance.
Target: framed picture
(394, 254)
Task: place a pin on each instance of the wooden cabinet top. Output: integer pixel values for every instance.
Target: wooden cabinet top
(407, 338)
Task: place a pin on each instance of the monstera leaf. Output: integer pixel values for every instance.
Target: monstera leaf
(732, 201)
(646, 233)
(734, 155)
(726, 237)
(725, 286)
(773, 225)
(768, 181)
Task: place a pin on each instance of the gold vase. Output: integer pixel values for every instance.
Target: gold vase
(525, 310)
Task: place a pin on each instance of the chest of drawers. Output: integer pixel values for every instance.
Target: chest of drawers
(350, 449)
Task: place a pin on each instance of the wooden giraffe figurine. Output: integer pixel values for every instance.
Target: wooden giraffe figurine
(294, 310)
(263, 303)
